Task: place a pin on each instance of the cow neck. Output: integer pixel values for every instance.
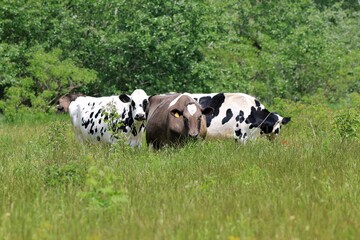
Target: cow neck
(160, 105)
(259, 127)
(136, 127)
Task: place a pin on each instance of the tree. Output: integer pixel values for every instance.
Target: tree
(49, 76)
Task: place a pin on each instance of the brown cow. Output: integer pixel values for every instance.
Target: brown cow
(173, 119)
(64, 102)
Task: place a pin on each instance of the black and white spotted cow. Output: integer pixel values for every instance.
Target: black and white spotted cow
(240, 116)
(93, 118)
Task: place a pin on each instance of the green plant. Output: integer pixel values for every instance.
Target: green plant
(50, 75)
(102, 189)
(347, 124)
(66, 174)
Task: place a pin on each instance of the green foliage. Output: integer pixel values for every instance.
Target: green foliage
(286, 49)
(50, 76)
(347, 124)
(111, 118)
(8, 66)
(344, 49)
(102, 189)
(63, 175)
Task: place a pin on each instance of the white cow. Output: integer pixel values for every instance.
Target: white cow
(101, 119)
(239, 116)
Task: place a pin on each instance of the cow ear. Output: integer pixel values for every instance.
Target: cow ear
(285, 120)
(176, 113)
(124, 98)
(207, 110)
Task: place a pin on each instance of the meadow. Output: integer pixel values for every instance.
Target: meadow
(305, 185)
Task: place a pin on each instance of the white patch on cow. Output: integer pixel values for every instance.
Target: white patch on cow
(173, 102)
(192, 109)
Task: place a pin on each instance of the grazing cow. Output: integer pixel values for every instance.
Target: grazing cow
(101, 119)
(173, 119)
(240, 116)
(64, 102)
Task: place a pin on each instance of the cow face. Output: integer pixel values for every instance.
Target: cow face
(277, 127)
(139, 102)
(192, 116)
(63, 105)
(269, 123)
(64, 102)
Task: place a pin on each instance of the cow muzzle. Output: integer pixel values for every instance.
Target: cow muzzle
(194, 135)
(140, 117)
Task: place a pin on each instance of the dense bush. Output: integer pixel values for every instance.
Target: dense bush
(269, 49)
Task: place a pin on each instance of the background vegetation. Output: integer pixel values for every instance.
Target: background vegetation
(268, 49)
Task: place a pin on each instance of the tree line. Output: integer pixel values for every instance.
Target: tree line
(287, 49)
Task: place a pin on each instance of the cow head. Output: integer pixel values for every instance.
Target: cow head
(269, 123)
(190, 117)
(64, 102)
(139, 102)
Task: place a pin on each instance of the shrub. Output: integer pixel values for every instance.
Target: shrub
(67, 174)
(102, 190)
(347, 124)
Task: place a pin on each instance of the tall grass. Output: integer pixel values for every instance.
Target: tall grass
(304, 186)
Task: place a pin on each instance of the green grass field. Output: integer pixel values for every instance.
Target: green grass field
(306, 185)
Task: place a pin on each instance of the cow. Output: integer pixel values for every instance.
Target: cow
(239, 116)
(64, 102)
(105, 119)
(173, 119)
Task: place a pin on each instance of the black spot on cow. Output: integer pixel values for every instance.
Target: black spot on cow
(145, 104)
(205, 101)
(85, 123)
(257, 103)
(240, 118)
(142, 126)
(134, 131)
(238, 133)
(98, 113)
(277, 131)
(228, 116)
(214, 102)
(91, 114)
(128, 121)
(123, 114)
(100, 121)
(91, 129)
